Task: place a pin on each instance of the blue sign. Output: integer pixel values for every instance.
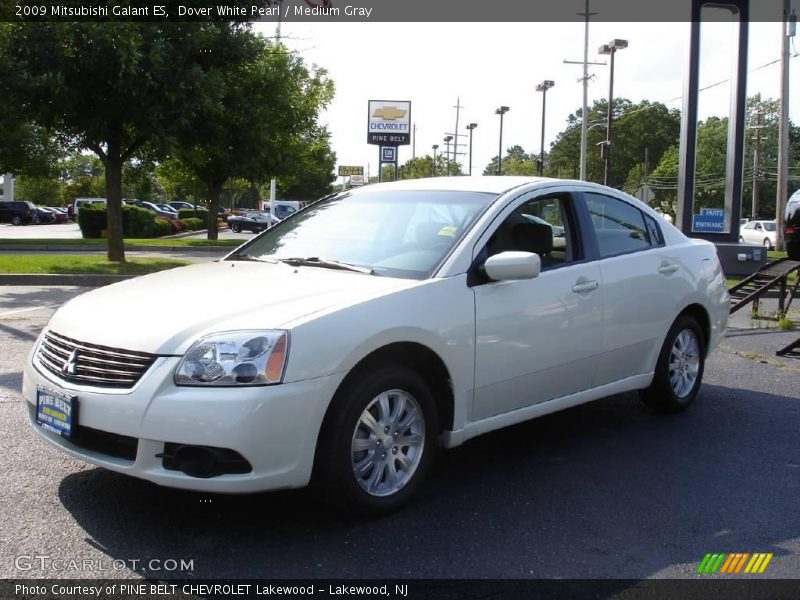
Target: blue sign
(710, 220)
(388, 153)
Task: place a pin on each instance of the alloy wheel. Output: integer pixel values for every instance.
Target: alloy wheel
(388, 442)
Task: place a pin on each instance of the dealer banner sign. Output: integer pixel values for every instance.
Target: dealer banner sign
(389, 122)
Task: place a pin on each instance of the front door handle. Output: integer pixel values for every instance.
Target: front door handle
(585, 286)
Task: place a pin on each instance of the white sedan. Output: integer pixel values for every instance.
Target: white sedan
(344, 345)
(762, 233)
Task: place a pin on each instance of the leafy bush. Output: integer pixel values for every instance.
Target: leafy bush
(137, 222)
(92, 220)
(193, 224)
(162, 227)
(188, 213)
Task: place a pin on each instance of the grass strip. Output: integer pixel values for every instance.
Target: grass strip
(69, 264)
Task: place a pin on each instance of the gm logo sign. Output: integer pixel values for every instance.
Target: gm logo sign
(388, 154)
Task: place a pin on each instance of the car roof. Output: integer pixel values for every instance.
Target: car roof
(488, 183)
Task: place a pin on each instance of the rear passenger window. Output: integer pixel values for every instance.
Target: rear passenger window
(619, 227)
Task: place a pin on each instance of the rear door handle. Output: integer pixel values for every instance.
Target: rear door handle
(668, 268)
(585, 286)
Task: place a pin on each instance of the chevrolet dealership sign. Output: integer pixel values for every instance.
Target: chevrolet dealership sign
(389, 122)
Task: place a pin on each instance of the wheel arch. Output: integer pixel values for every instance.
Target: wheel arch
(413, 355)
(699, 313)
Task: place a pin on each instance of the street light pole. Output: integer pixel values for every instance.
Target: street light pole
(543, 87)
(611, 49)
(447, 140)
(435, 147)
(470, 127)
(501, 111)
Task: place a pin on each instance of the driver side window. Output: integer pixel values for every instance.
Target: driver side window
(542, 225)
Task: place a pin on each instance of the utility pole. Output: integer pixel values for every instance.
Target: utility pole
(585, 79)
(458, 108)
(754, 208)
(447, 140)
(414, 143)
(788, 27)
(470, 127)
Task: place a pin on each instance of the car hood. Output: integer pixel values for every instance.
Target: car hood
(164, 313)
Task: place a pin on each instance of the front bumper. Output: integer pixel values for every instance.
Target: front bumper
(275, 428)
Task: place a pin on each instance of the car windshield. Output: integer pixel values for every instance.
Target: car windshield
(769, 226)
(394, 233)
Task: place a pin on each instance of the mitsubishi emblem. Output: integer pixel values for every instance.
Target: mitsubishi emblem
(70, 366)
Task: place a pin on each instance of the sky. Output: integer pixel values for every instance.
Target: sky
(486, 65)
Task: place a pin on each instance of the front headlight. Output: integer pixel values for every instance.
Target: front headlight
(235, 358)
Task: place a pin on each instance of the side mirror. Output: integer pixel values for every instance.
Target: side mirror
(513, 265)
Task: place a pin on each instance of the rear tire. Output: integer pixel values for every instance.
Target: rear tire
(378, 441)
(16, 220)
(679, 370)
(767, 244)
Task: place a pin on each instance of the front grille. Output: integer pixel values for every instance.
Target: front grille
(90, 364)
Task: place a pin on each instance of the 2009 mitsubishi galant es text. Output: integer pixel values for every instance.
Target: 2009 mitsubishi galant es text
(343, 345)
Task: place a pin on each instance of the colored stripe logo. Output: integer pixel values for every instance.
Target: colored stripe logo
(734, 563)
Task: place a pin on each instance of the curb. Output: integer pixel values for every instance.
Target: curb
(43, 279)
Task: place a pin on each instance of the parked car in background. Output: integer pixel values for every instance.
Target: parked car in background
(182, 205)
(18, 212)
(59, 213)
(43, 216)
(73, 208)
(252, 220)
(283, 208)
(169, 209)
(759, 232)
(348, 342)
(791, 232)
(168, 213)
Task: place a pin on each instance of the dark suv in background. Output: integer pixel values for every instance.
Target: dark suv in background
(791, 232)
(17, 213)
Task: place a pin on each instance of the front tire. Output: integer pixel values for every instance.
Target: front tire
(767, 244)
(236, 228)
(679, 370)
(378, 442)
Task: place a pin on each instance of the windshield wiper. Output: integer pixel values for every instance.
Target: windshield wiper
(316, 261)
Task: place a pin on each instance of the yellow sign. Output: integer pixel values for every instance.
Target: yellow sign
(345, 170)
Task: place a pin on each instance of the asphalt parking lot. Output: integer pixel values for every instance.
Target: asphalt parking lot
(606, 490)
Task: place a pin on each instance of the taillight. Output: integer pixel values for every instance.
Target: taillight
(790, 230)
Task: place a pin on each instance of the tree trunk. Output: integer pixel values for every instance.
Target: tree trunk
(116, 244)
(214, 193)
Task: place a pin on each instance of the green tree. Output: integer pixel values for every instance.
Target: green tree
(118, 86)
(38, 189)
(515, 162)
(267, 106)
(310, 176)
(422, 166)
(711, 157)
(178, 181)
(639, 131)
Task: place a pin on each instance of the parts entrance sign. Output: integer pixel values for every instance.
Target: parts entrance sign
(710, 220)
(389, 122)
